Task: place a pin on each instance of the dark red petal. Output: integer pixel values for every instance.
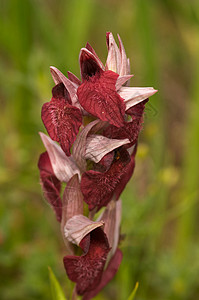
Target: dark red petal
(126, 176)
(130, 129)
(104, 164)
(50, 184)
(98, 188)
(59, 92)
(62, 120)
(98, 96)
(86, 270)
(89, 65)
(73, 78)
(107, 276)
(90, 48)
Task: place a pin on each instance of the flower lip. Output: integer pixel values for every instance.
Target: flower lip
(86, 270)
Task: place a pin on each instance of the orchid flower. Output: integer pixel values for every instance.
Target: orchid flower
(93, 160)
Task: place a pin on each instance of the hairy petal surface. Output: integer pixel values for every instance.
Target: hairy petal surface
(98, 188)
(86, 270)
(64, 167)
(61, 119)
(107, 276)
(98, 96)
(50, 184)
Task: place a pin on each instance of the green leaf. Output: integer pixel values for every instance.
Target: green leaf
(57, 292)
(132, 295)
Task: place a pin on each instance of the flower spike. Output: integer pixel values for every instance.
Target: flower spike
(93, 126)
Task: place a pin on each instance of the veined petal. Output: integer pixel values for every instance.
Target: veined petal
(79, 146)
(72, 204)
(89, 63)
(74, 79)
(70, 85)
(107, 275)
(134, 95)
(98, 96)
(59, 77)
(124, 63)
(121, 80)
(98, 188)
(50, 184)
(112, 218)
(72, 201)
(90, 48)
(64, 167)
(113, 62)
(62, 121)
(132, 128)
(87, 270)
(78, 227)
(97, 146)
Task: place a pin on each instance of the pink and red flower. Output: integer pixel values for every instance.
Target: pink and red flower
(95, 160)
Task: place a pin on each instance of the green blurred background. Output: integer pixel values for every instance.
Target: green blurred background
(160, 204)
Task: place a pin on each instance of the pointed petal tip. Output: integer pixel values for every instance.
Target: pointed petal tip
(53, 69)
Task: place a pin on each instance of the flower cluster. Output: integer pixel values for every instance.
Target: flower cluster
(96, 121)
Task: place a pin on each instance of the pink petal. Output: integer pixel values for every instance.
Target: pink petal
(90, 64)
(79, 146)
(50, 184)
(134, 95)
(124, 62)
(72, 201)
(63, 167)
(112, 218)
(121, 80)
(97, 146)
(77, 227)
(113, 62)
(98, 96)
(107, 276)
(98, 188)
(62, 120)
(86, 270)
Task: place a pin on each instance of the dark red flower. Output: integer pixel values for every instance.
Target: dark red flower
(130, 129)
(107, 276)
(61, 119)
(50, 184)
(98, 188)
(86, 270)
(97, 94)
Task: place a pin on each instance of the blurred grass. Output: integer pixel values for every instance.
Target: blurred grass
(160, 204)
